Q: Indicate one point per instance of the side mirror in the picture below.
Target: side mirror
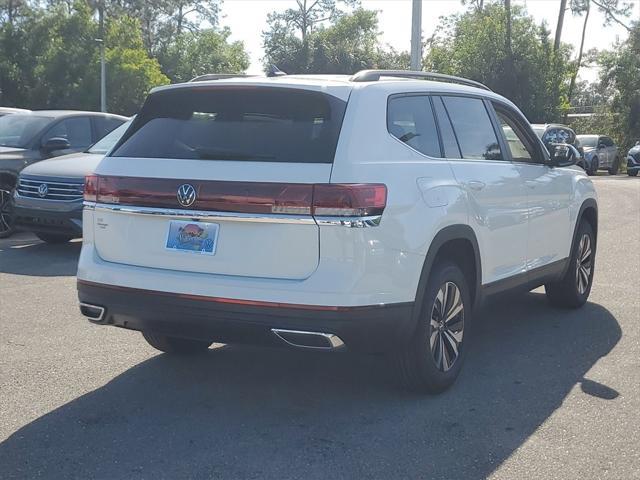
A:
(564, 155)
(600, 146)
(56, 143)
(638, 143)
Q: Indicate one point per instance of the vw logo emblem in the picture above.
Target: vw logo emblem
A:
(43, 189)
(186, 195)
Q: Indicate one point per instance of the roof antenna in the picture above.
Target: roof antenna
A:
(275, 72)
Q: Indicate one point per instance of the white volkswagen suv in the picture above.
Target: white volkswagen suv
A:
(372, 212)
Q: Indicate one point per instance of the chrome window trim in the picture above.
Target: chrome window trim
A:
(206, 215)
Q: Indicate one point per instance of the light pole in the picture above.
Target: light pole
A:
(103, 68)
(416, 35)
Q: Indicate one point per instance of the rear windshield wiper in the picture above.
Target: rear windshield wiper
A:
(213, 154)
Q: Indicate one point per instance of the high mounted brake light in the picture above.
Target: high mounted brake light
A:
(321, 199)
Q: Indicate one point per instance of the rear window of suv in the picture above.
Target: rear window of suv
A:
(269, 124)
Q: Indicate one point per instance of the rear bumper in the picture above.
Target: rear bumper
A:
(374, 328)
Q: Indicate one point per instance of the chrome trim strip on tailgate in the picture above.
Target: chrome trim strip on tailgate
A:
(351, 222)
(203, 214)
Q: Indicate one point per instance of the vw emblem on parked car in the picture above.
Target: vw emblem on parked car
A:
(43, 189)
(186, 195)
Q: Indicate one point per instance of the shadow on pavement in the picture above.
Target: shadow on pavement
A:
(244, 412)
(24, 254)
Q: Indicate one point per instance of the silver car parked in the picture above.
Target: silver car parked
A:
(600, 153)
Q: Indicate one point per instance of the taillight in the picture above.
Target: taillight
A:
(349, 200)
(91, 188)
(321, 199)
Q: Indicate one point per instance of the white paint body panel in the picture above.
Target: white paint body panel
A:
(517, 227)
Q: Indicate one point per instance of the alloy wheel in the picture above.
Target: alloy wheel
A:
(447, 326)
(6, 212)
(584, 264)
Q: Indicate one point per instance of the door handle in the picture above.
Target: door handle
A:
(476, 185)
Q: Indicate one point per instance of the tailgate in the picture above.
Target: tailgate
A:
(246, 228)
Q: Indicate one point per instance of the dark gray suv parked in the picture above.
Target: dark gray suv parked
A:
(31, 137)
(600, 153)
(49, 194)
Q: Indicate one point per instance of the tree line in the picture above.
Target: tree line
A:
(49, 56)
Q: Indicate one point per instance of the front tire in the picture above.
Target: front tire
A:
(593, 168)
(6, 214)
(53, 238)
(175, 345)
(431, 361)
(632, 173)
(614, 167)
(572, 291)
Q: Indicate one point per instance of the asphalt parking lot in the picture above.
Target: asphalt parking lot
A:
(545, 393)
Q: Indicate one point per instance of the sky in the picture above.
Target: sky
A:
(247, 19)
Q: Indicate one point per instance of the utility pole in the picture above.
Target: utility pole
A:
(103, 68)
(416, 35)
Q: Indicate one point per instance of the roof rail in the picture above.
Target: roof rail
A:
(218, 76)
(374, 76)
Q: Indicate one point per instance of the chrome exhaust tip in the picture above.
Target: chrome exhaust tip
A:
(312, 340)
(95, 313)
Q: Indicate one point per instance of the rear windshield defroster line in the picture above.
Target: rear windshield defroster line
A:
(238, 123)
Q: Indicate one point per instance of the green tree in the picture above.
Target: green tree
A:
(131, 73)
(474, 45)
(51, 60)
(620, 73)
(200, 52)
(307, 15)
(350, 43)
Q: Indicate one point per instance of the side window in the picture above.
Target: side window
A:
(607, 141)
(473, 128)
(520, 146)
(410, 120)
(105, 125)
(76, 130)
(449, 142)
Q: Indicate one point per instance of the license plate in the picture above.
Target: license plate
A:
(194, 237)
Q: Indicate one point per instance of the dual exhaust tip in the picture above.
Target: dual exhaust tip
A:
(294, 338)
(312, 340)
(95, 313)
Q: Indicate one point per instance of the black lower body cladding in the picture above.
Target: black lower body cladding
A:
(376, 328)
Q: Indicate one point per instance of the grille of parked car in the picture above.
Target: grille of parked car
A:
(54, 189)
(636, 156)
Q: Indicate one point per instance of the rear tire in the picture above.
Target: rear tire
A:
(53, 238)
(175, 345)
(572, 291)
(615, 166)
(431, 361)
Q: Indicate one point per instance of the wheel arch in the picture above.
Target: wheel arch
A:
(454, 242)
(589, 212)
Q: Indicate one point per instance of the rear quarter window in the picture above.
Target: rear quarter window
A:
(410, 119)
(270, 124)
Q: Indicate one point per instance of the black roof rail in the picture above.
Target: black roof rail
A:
(374, 76)
(218, 76)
